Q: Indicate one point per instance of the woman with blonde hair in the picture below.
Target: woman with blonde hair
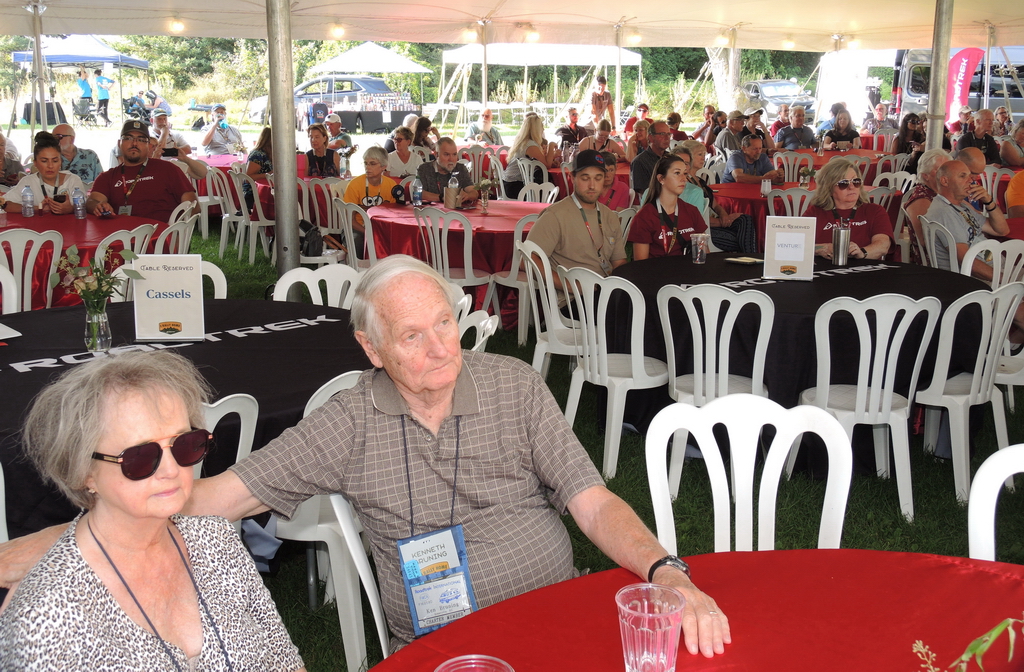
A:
(321, 161)
(638, 142)
(529, 144)
(840, 201)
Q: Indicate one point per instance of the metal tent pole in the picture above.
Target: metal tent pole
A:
(940, 63)
(40, 67)
(282, 83)
(483, 67)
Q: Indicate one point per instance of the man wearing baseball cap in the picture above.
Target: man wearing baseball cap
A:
(166, 138)
(580, 231)
(221, 137)
(754, 126)
(139, 186)
(728, 141)
(338, 139)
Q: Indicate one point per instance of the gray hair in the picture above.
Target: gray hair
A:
(798, 107)
(410, 120)
(66, 422)
(405, 132)
(931, 160)
(378, 153)
(446, 141)
(828, 177)
(364, 315)
(747, 139)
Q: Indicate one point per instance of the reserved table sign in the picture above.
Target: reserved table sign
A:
(169, 300)
(789, 248)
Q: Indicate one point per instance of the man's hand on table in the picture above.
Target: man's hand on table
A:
(705, 627)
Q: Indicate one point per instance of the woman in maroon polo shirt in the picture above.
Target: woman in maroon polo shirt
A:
(663, 226)
(840, 200)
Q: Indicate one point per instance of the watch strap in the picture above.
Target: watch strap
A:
(670, 560)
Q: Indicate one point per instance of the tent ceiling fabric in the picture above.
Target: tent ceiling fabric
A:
(540, 54)
(876, 24)
(368, 57)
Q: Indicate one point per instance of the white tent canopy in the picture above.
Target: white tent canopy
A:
(369, 57)
(874, 24)
(539, 54)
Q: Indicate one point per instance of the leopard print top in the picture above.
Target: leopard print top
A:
(62, 617)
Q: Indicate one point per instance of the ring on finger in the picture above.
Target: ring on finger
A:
(712, 613)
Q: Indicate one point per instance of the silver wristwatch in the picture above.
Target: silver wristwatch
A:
(671, 561)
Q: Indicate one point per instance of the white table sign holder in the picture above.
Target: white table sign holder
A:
(789, 248)
(169, 298)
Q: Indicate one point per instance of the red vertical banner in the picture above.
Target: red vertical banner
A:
(958, 85)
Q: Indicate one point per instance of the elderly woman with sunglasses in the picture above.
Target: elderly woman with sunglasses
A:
(130, 584)
(840, 201)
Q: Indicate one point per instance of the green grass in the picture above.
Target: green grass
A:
(873, 519)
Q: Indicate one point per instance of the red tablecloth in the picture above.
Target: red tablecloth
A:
(395, 232)
(85, 234)
(747, 198)
(789, 610)
(1016, 227)
(265, 194)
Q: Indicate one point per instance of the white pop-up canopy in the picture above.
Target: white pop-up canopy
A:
(369, 57)
(526, 54)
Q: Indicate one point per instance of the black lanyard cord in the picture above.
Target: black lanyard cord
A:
(408, 473)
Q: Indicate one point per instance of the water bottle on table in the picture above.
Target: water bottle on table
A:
(417, 193)
(78, 200)
(28, 202)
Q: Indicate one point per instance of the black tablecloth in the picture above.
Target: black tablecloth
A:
(278, 352)
(791, 363)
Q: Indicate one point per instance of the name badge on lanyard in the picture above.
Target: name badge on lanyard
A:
(435, 574)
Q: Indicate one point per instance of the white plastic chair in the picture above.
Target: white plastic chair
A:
(340, 282)
(527, 168)
(220, 282)
(565, 168)
(936, 235)
(249, 229)
(484, 324)
(545, 192)
(499, 177)
(315, 521)
(882, 196)
(959, 393)
(556, 334)
(136, 240)
(794, 201)
(216, 188)
(234, 212)
(744, 416)
(881, 324)
(861, 163)
(1007, 260)
(181, 212)
(9, 290)
(248, 411)
(620, 373)
(515, 278)
(711, 313)
(435, 224)
(477, 156)
(176, 238)
(893, 163)
(900, 180)
(712, 174)
(885, 139)
(355, 258)
(18, 251)
(792, 162)
(626, 216)
(326, 218)
(991, 177)
(998, 469)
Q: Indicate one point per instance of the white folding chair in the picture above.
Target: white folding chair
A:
(998, 469)
(794, 201)
(436, 225)
(711, 313)
(556, 334)
(545, 192)
(136, 240)
(959, 393)
(515, 278)
(19, 249)
(619, 373)
(484, 324)
(791, 163)
(315, 521)
(340, 282)
(9, 291)
(744, 417)
(176, 238)
(882, 323)
(936, 237)
(527, 168)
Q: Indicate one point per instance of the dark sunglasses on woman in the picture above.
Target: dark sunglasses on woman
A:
(845, 184)
(141, 461)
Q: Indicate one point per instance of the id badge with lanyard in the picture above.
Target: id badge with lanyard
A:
(127, 209)
(671, 231)
(435, 566)
(606, 265)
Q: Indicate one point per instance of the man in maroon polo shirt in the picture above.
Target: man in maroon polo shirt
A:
(140, 186)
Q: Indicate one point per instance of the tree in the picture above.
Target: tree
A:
(179, 60)
(11, 74)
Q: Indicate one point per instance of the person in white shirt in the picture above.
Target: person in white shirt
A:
(403, 162)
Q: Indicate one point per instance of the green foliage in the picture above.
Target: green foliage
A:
(177, 61)
(11, 74)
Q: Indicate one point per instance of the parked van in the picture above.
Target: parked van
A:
(912, 77)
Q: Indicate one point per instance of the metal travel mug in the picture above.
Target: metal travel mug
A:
(840, 245)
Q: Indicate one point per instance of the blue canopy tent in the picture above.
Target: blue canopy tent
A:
(74, 51)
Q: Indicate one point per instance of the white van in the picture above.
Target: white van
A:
(912, 77)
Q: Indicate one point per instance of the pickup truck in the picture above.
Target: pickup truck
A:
(365, 104)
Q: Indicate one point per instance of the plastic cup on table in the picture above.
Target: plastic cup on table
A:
(650, 617)
(474, 662)
(699, 244)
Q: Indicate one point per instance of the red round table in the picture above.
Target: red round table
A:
(85, 234)
(265, 194)
(788, 610)
(395, 231)
(747, 198)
